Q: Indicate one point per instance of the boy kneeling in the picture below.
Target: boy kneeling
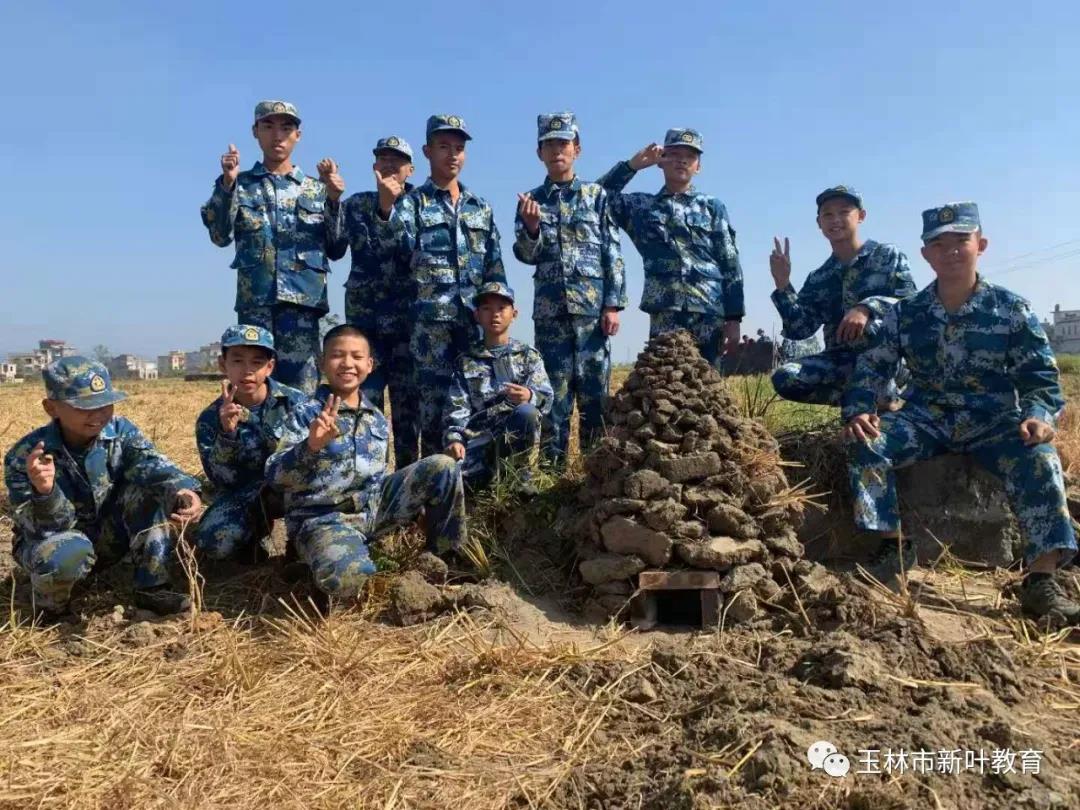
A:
(331, 465)
(236, 434)
(499, 393)
(983, 382)
(87, 488)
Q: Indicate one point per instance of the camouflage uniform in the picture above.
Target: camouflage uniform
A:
(109, 499)
(340, 498)
(579, 273)
(693, 279)
(479, 415)
(378, 296)
(244, 508)
(877, 277)
(975, 375)
(451, 250)
(282, 226)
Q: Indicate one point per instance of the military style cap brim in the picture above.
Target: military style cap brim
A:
(91, 402)
(272, 114)
(695, 147)
(448, 128)
(401, 152)
(482, 295)
(951, 227)
(825, 196)
(558, 134)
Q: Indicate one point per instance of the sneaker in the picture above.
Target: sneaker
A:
(889, 560)
(162, 600)
(1042, 595)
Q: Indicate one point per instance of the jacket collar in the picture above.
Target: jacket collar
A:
(259, 170)
(549, 187)
(323, 392)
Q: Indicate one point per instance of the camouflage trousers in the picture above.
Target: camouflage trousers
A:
(518, 434)
(818, 379)
(394, 371)
(1032, 476)
(577, 357)
(238, 519)
(296, 340)
(335, 545)
(134, 520)
(706, 329)
(435, 346)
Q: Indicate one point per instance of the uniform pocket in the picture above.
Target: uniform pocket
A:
(310, 212)
(477, 228)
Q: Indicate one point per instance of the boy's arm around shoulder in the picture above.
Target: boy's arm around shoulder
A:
(33, 513)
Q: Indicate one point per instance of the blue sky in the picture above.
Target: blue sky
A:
(116, 115)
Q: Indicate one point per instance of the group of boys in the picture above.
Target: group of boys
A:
(962, 366)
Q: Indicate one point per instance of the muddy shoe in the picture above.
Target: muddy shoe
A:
(1042, 595)
(51, 616)
(162, 600)
(889, 560)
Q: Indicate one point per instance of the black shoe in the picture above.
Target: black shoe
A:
(48, 617)
(1042, 596)
(162, 600)
(891, 558)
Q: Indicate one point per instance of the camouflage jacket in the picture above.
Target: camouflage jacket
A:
(379, 284)
(477, 403)
(345, 476)
(687, 247)
(878, 276)
(991, 358)
(238, 461)
(451, 251)
(579, 266)
(85, 480)
(282, 226)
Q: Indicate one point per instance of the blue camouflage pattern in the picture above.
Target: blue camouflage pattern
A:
(975, 375)
(242, 512)
(957, 217)
(245, 334)
(682, 136)
(378, 297)
(340, 498)
(81, 383)
(442, 122)
(434, 346)
(297, 342)
(687, 247)
(877, 277)
(562, 126)
(847, 192)
(394, 144)
(111, 498)
(264, 109)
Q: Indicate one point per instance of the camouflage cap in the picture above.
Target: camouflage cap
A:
(839, 191)
(957, 217)
(562, 126)
(264, 109)
(680, 136)
(394, 144)
(80, 382)
(243, 334)
(494, 288)
(447, 123)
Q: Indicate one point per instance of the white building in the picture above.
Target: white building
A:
(8, 371)
(172, 362)
(131, 367)
(205, 359)
(1064, 332)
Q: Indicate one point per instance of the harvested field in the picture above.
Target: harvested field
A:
(509, 699)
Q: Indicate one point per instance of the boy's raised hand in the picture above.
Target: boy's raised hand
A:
(529, 210)
(328, 173)
(230, 412)
(186, 506)
(41, 470)
(324, 428)
(230, 167)
(390, 188)
(1035, 431)
(780, 263)
(649, 156)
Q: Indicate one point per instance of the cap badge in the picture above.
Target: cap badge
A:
(454, 121)
(392, 141)
(97, 383)
(687, 137)
(251, 334)
(279, 107)
(946, 215)
(556, 123)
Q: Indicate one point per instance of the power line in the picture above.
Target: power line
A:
(1010, 261)
(1034, 263)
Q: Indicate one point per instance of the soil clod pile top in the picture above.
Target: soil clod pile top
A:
(685, 481)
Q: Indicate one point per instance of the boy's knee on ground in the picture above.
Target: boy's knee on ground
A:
(66, 556)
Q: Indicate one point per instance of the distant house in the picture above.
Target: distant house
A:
(29, 364)
(172, 363)
(8, 371)
(205, 359)
(132, 367)
(1064, 332)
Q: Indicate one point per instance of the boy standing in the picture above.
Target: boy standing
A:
(564, 228)
(88, 488)
(499, 394)
(857, 281)
(281, 220)
(693, 279)
(331, 465)
(447, 235)
(235, 435)
(983, 382)
(378, 296)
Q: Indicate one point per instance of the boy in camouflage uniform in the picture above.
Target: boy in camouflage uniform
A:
(983, 382)
(693, 279)
(564, 228)
(499, 393)
(331, 465)
(235, 435)
(447, 236)
(281, 220)
(378, 296)
(87, 488)
(846, 295)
